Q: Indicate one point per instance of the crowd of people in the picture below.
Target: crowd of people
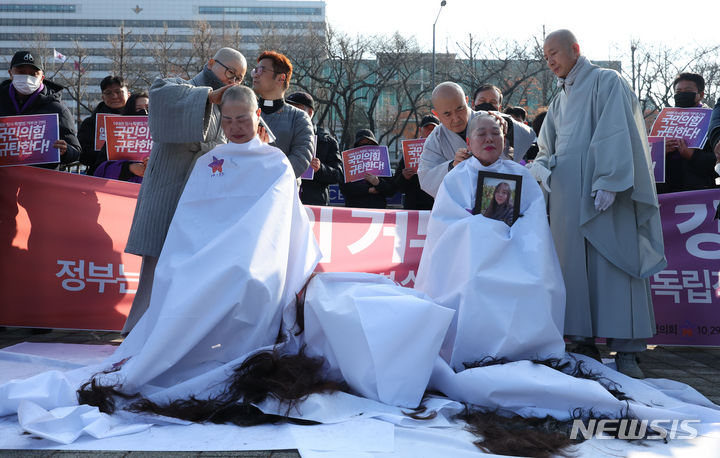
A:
(493, 287)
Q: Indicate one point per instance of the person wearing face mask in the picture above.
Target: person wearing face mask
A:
(686, 168)
(27, 92)
(115, 95)
(184, 125)
(127, 170)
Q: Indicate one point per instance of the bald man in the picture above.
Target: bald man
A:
(604, 216)
(184, 123)
(446, 146)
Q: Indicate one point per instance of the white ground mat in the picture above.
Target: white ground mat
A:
(366, 438)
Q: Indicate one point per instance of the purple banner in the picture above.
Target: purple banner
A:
(657, 154)
(28, 139)
(309, 174)
(689, 123)
(686, 295)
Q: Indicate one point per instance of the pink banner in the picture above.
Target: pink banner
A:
(62, 263)
(26, 140)
(366, 159)
(412, 149)
(128, 137)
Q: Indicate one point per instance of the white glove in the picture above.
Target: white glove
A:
(603, 200)
(540, 173)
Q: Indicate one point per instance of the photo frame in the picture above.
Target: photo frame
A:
(506, 207)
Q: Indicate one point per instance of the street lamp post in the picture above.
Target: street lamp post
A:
(443, 3)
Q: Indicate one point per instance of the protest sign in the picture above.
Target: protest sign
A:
(689, 123)
(128, 137)
(309, 174)
(29, 139)
(100, 136)
(657, 154)
(412, 149)
(370, 159)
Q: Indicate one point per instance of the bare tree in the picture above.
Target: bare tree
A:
(75, 79)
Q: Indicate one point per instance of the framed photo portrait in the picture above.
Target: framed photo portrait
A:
(498, 196)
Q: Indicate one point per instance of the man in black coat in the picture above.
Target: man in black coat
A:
(406, 179)
(29, 93)
(327, 163)
(114, 96)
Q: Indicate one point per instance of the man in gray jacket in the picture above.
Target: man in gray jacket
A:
(291, 126)
(184, 124)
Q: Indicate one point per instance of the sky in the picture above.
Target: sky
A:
(604, 29)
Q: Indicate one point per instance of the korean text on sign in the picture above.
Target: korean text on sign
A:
(366, 159)
(75, 276)
(128, 137)
(28, 139)
(100, 136)
(412, 149)
(690, 124)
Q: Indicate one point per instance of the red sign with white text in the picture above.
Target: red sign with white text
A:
(128, 137)
(412, 149)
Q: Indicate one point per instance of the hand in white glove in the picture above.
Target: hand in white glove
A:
(603, 200)
(540, 173)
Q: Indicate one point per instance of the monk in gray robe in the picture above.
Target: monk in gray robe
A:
(445, 147)
(604, 215)
(184, 124)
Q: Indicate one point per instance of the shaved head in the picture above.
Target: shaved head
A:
(450, 106)
(446, 90)
(562, 37)
(231, 56)
(561, 51)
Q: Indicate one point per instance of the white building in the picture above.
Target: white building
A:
(96, 35)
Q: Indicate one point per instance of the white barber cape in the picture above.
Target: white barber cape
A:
(504, 282)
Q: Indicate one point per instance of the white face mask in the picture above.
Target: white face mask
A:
(26, 84)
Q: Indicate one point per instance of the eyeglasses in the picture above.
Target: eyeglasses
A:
(229, 73)
(260, 69)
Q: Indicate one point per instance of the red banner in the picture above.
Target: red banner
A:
(62, 263)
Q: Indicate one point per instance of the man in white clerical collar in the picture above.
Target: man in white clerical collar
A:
(291, 126)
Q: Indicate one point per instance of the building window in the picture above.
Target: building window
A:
(259, 10)
(20, 8)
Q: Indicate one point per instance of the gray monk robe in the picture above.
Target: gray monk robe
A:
(442, 143)
(594, 138)
(184, 125)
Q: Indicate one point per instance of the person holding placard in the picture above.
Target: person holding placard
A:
(406, 179)
(115, 94)
(687, 168)
(594, 159)
(371, 191)
(27, 92)
(128, 170)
